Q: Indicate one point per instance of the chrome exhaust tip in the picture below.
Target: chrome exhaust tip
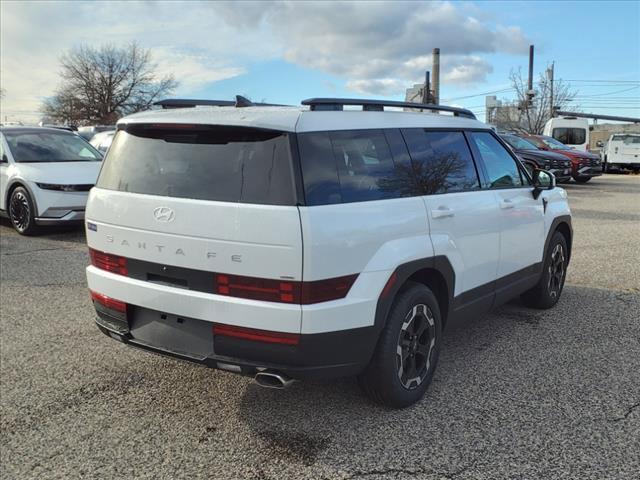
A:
(270, 379)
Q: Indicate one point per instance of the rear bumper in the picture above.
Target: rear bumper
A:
(317, 356)
(624, 165)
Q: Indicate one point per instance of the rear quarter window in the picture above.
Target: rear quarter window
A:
(229, 164)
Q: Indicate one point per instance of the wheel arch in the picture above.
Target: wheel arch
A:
(15, 183)
(560, 224)
(436, 273)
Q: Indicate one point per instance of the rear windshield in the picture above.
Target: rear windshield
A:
(570, 136)
(229, 164)
(48, 146)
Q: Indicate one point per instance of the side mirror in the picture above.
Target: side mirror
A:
(599, 143)
(542, 180)
(4, 158)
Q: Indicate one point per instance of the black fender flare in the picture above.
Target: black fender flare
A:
(562, 219)
(399, 277)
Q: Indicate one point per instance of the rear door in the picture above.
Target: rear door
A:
(464, 220)
(521, 216)
(200, 198)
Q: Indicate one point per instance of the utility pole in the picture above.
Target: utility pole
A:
(436, 75)
(550, 78)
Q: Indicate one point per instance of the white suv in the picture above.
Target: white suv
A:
(45, 176)
(291, 243)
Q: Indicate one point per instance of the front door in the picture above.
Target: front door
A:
(521, 216)
(464, 220)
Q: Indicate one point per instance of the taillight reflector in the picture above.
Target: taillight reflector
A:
(255, 335)
(108, 262)
(108, 302)
(282, 290)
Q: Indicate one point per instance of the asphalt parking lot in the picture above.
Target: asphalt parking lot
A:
(519, 393)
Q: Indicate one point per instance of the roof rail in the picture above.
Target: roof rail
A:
(186, 103)
(378, 105)
(239, 102)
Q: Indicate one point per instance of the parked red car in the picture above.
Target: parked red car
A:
(584, 165)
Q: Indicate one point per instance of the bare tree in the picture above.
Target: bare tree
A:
(99, 85)
(531, 117)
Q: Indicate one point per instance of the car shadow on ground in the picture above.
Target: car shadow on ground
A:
(66, 233)
(514, 363)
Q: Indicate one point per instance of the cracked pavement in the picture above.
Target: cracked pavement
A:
(518, 393)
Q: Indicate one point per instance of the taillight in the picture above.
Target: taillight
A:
(108, 302)
(255, 335)
(258, 288)
(326, 290)
(282, 290)
(108, 262)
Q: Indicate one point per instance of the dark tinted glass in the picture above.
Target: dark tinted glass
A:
(48, 146)
(365, 165)
(319, 172)
(230, 164)
(502, 170)
(352, 166)
(570, 136)
(440, 161)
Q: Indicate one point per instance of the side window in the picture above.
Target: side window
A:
(354, 166)
(502, 169)
(365, 166)
(441, 161)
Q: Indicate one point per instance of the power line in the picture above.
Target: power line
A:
(611, 93)
(602, 81)
(479, 94)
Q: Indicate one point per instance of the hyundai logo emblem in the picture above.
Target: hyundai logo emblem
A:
(164, 214)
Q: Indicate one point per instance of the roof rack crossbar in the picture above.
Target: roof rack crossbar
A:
(378, 105)
(240, 101)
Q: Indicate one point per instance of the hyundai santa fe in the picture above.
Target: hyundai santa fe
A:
(333, 239)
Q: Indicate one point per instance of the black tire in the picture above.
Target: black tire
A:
(549, 288)
(582, 179)
(414, 326)
(22, 212)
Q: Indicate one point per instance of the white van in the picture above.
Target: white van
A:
(572, 131)
(290, 243)
(622, 151)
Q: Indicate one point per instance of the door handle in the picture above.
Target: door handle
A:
(506, 203)
(442, 212)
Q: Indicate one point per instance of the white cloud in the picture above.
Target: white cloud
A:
(381, 47)
(374, 47)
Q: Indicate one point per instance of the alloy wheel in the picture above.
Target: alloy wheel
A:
(556, 271)
(20, 211)
(416, 341)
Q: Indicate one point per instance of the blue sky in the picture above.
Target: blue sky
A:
(285, 52)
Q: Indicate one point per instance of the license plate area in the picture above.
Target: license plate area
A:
(173, 333)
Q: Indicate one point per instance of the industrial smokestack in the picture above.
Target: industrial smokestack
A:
(435, 81)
